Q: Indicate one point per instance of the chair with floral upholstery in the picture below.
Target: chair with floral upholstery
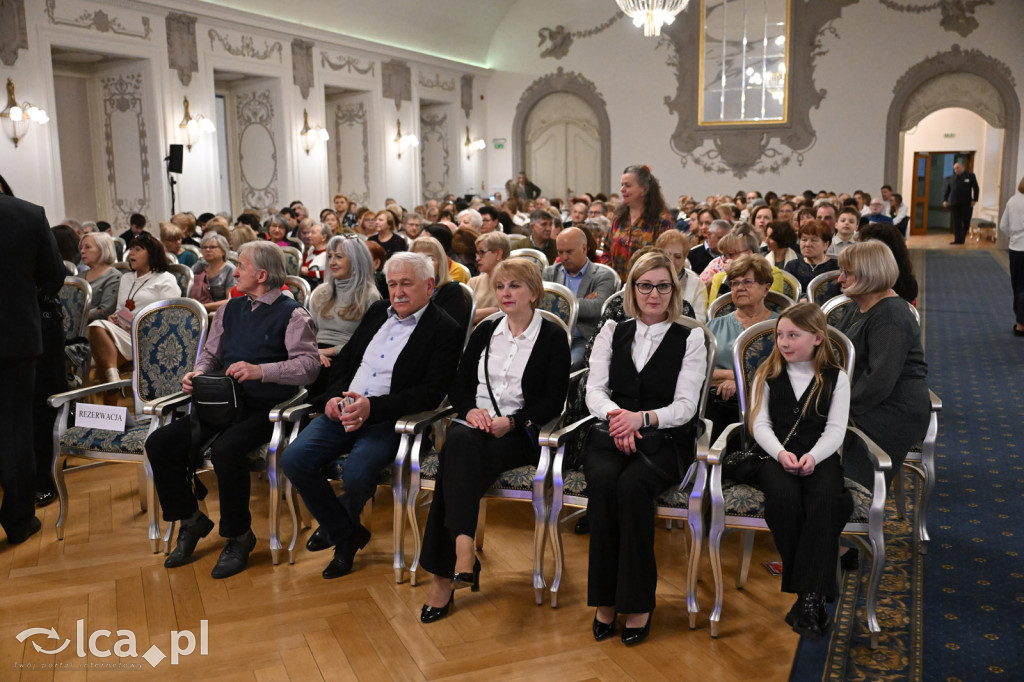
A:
(166, 338)
(738, 506)
(835, 307)
(292, 260)
(559, 300)
(75, 297)
(823, 287)
(790, 285)
(527, 483)
(300, 289)
(562, 447)
(532, 255)
(723, 305)
(185, 277)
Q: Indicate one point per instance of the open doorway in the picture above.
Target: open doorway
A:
(927, 214)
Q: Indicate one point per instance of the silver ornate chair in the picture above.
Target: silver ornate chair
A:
(467, 292)
(75, 297)
(185, 277)
(300, 289)
(559, 300)
(527, 483)
(292, 259)
(563, 446)
(533, 255)
(723, 305)
(194, 250)
(791, 285)
(835, 307)
(739, 506)
(166, 339)
(823, 287)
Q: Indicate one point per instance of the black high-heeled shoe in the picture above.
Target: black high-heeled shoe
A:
(470, 580)
(631, 636)
(429, 614)
(603, 631)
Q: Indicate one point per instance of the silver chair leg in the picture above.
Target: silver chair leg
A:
(748, 549)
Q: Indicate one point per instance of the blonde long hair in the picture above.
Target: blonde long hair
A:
(809, 318)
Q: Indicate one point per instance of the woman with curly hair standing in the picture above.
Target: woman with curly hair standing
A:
(639, 220)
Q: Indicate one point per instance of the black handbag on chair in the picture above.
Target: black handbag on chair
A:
(217, 403)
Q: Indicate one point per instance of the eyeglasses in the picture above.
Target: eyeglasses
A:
(484, 252)
(647, 287)
(843, 272)
(742, 283)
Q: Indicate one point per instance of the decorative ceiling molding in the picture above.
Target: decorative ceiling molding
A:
(466, 92)
(98, 20)
(963, 90)
(347, 63)
(751, 148)
(396, 81)
(13, 30)
(560, 39)
(302, 65)
(957, 15)
(182, 53)
(247, 47)
(437, 84)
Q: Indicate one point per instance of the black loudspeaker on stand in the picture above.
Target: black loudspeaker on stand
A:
(173, 160)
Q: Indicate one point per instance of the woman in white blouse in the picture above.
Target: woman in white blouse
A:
(645, 380)
(148, 282)
(512, 380)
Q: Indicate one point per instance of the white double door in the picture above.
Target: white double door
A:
(563, 146)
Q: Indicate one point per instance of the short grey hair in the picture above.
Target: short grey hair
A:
(105, 243)
(420, 264)
(474, 216)
(219, 240)
(266, 256)
(278, 219)
(721, 225)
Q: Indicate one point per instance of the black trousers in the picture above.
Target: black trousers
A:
(51, 377)
(960, 221)
(1017, 281)
(168, 450)
(806, 514)
(620, 508)
(469, 465)
(17, 463)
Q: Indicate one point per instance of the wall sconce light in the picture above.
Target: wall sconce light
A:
(405, 140)
(311, 137)
(194, 125)
(472, 145)
(16, 119)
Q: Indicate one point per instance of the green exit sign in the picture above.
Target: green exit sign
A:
(499, 142)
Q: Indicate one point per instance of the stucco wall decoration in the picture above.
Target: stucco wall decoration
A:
(247, 47)
(466, 93)
(350, 121)
(302, 65)
(125, 143)
(437, 83)
(99, 20)
(751, 148)
(434, 155)
(396, 81)
(559, 39)
(347, 63)
(182, 53)
(257, 151)
(13, 33)
(956, 15)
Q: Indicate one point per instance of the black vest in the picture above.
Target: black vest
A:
(784, 407)
(257, 337)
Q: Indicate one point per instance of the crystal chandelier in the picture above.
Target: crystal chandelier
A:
(652, 14)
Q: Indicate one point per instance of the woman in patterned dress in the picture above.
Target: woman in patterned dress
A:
(640, 219)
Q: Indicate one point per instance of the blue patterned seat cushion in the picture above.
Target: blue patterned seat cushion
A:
(87, 439)
(556, 304)
(747, 500)
(520, 478)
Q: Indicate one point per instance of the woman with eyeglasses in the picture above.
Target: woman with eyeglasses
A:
(491, 249)
(646, 375)
(148, 282)
(750, 279)
(739, 242)
(214, 274)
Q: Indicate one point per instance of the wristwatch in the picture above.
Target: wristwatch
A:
(647, 418)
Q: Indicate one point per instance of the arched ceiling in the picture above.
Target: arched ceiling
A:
(460, 30)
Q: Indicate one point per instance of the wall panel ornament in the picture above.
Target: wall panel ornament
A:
(302, 65)
(182, 53)
(573, 83)
(13, 33)
(466, 92)
(125, 141)
(751, 148)
(559, 39)
(347, 63)
(437, 83)
(247, 47)
(434, 155)
(257, 151)
(396, 79)
(99, 20)
(350, 121)
(957, 15)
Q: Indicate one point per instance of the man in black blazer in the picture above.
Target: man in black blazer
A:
(400, 360)
(35, 274)
(960, 196)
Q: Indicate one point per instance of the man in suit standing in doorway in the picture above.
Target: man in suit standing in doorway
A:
(960, 196)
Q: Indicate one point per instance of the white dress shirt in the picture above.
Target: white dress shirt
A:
(645, 343)
(373, 378)
(800, 376)
(508, 357)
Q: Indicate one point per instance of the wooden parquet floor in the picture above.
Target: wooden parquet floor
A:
(286, 623)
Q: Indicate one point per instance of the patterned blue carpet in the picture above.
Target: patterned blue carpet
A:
(956, 613)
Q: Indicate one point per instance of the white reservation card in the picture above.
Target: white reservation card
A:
(107, 417)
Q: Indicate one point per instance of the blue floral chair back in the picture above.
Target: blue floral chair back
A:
(532, 255)
(559, 300)
(183, 274)
(292, 260)
(300, 289)
(835, 307)
(75, 296)
(790, 285)
(823, 287)
(167, 338)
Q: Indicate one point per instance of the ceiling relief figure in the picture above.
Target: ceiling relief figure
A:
(559, 39)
